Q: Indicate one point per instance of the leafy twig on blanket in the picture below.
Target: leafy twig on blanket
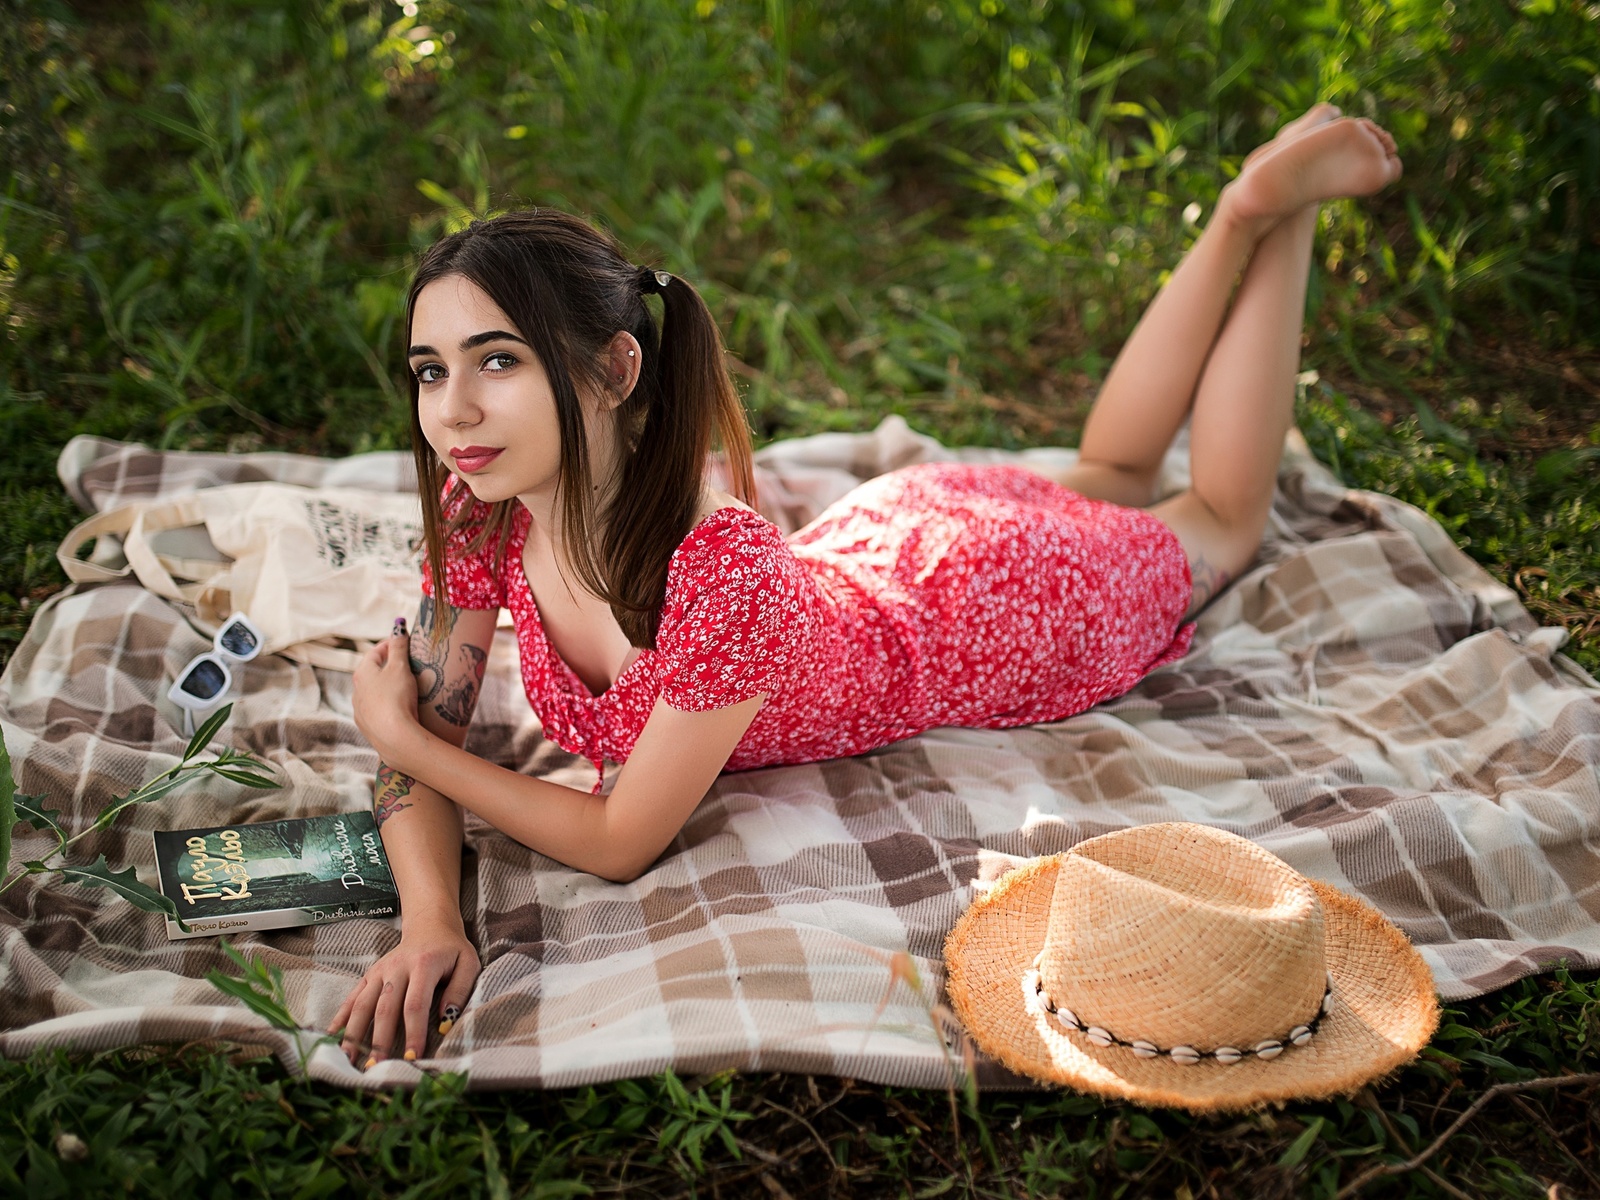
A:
(31, 810)
(261, 990)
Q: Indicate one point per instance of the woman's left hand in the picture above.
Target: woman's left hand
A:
(384, 694)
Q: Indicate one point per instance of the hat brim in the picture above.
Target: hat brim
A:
(1384, 1012)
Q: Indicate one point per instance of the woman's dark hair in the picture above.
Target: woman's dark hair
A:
(569, 289)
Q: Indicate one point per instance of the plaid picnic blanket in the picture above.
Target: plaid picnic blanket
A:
(1365, 702)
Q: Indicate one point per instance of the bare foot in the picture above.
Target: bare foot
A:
(1350, 156)
(1317, 114)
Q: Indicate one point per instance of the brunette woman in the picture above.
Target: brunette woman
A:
(665, 625)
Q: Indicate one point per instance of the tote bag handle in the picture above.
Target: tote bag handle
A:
(146, 564)
(333, 658)
(115, 521)
(135, 523)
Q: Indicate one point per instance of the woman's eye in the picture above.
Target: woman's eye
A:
(422, 372)
(510, 360)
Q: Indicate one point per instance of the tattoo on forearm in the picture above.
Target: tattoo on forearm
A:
(1208, 580)
(390, 795)
(457, 705)
(427, 659)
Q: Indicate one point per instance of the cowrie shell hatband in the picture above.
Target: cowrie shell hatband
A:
(1187, 1055)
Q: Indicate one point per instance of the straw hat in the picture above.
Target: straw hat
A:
(1180, 965)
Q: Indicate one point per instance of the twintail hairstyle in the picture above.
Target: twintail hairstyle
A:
(568, 289)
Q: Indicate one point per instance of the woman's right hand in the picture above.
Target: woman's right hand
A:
(402, 983)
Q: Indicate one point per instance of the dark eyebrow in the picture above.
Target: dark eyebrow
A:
(477, 339)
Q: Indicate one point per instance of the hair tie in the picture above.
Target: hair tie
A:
(653, 281)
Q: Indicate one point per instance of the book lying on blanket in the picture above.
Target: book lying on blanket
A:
(275, 874)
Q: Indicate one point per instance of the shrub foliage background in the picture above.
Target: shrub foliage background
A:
(955, 211)
(951, 210)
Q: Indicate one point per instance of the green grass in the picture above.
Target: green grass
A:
(201, 1121)
(954, 211)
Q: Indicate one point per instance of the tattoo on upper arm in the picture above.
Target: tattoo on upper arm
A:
(457, 704)
(427, 659)
(390, 794)
(1208, 580)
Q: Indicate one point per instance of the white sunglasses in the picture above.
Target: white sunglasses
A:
(207, 679)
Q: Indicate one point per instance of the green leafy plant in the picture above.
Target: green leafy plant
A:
(30, 810)
(694, 1118)
(260, 989)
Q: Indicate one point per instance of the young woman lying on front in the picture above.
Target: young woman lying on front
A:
(665, 625)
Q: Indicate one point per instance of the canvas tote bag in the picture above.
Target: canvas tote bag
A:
(323, 572)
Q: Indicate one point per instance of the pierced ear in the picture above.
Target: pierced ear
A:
(624, 357)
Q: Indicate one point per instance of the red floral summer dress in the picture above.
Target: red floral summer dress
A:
(938, 594)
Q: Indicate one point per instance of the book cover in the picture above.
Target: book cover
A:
(275, 874)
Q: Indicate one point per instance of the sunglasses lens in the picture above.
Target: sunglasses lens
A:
(238, 641)
(203, 681)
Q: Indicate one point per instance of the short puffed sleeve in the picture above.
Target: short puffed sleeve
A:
(732, 613)
(470, 579)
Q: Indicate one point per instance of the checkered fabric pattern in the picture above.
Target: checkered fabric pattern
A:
(1365, 702)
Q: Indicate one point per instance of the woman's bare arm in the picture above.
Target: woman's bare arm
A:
(424, 850)
(422, 839)
(421, 828)
(676, 759)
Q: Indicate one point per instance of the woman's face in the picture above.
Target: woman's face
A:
(483, 398)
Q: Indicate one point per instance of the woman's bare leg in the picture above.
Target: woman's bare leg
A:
(1152, 383)
(1241, 380)
(1242, 409)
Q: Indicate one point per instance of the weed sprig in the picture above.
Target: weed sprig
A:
(31, 810)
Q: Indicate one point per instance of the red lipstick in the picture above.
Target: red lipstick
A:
(474, 458)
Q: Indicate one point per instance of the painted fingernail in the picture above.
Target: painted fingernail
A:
(411, 1056)
(399, 627)
(372, 1061)
(452, 1012)
(445, 1026)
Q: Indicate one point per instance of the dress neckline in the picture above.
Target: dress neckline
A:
(572, 682)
